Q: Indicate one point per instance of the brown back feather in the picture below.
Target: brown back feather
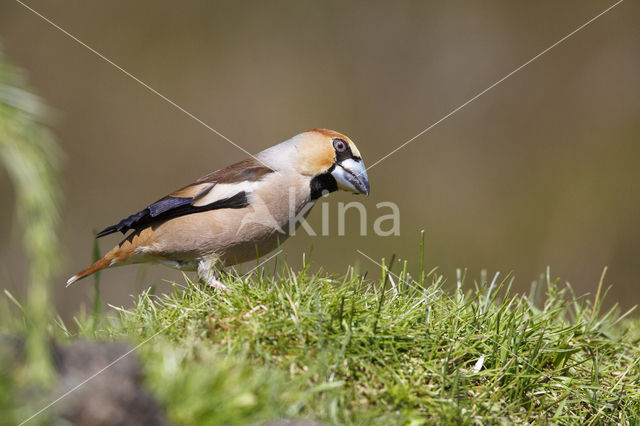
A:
(246, 170)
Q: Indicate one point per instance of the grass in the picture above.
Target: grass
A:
(351, 350)
(30, 156)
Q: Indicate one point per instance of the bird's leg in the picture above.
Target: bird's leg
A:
(207, 273)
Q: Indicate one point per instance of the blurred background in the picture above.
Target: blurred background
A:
(542, 170)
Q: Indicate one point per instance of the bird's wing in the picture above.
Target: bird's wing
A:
(226, 188)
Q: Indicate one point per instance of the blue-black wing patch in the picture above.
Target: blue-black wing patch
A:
(172, 207)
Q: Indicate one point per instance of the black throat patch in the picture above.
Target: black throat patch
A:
(323, 184)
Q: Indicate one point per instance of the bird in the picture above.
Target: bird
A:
(239, 212)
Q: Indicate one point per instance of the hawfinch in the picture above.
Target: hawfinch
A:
(237, 213)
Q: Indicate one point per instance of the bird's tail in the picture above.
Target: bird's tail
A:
(122, 254)
(108, 260)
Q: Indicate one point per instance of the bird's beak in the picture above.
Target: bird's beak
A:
(351, 176)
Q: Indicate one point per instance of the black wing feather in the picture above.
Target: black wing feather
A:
(172, 207)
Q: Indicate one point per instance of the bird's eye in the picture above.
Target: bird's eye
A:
(339, 145)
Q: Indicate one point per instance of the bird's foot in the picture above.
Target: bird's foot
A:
(216, 284)
(208, 272)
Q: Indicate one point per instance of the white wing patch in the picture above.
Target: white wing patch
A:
(225, 190)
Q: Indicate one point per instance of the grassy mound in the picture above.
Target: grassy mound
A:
(347, 350)
(351, 350)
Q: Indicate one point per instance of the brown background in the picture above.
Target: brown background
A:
(542, 170)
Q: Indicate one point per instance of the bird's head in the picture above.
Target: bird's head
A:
(330, 158)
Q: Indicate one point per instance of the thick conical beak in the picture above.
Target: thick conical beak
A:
(351, 176)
